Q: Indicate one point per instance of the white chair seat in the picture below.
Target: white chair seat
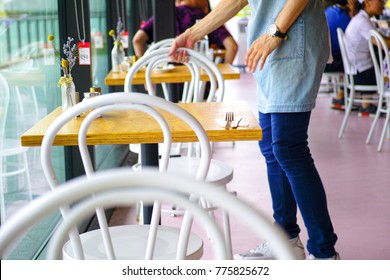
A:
(129, 242)
(364, 88)
(219, 172)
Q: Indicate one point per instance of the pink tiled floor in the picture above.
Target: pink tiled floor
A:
(355, 175)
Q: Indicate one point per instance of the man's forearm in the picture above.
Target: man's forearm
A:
(289, 14)
(224, 11)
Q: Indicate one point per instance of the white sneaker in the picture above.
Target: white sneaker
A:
(333, 258)
(264, 251)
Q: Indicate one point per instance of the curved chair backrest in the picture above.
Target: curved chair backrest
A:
(114, 102)
(118, 186)
(193, 86)
(210, 64)
(344, 55)
(153, 56)
(380, 57)
(160, 44)
(195, 58)
(351, 89)
(194, 65)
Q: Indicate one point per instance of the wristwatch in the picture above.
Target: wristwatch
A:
(274, 31)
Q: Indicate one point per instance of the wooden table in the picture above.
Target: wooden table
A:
(115, 128)
(136, 127)
(179, 74)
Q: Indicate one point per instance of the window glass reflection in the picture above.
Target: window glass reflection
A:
(31, 79)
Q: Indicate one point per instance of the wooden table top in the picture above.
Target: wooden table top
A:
(179, 74)
(135, 127)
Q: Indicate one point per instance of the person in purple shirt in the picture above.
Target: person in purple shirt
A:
(186, 16)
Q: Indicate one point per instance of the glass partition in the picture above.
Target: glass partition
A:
(31, 70)
(31, 78)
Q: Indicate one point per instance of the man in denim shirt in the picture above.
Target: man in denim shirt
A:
(288, 48)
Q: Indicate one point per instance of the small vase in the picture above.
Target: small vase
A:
(117, 57)
(68, 92)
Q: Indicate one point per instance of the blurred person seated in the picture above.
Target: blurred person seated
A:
(187, 12)
(357, 35)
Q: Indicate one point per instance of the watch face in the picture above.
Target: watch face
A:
(272, 30)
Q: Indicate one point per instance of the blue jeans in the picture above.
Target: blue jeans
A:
(294, 180)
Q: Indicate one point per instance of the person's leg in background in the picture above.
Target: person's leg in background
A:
(337, 67)
(366, 109)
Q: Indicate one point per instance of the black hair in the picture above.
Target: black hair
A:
(341, 2)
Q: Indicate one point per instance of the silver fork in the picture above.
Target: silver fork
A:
(229, 118)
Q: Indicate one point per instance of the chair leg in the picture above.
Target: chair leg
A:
(346, 117)
(23, 171)
(386, 127)
(373, 125)
(225, 223)
(27, 176)
(165, 91)
(227, 232)
(139, 213)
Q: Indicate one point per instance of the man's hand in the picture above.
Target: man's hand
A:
(260, 49)
(182, 41)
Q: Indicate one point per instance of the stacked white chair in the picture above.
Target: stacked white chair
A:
(13, 157)
(380, 57)
(160, 44)
(120, 187)
(219, 173)
(351, 90)
(4, 99)
(110, 238)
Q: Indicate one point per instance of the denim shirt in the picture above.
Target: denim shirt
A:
(291, 77)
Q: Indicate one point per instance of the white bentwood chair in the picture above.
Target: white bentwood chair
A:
(351, 90)
(381, 60)
(119, 187)
(219, 173)
(105, 106)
